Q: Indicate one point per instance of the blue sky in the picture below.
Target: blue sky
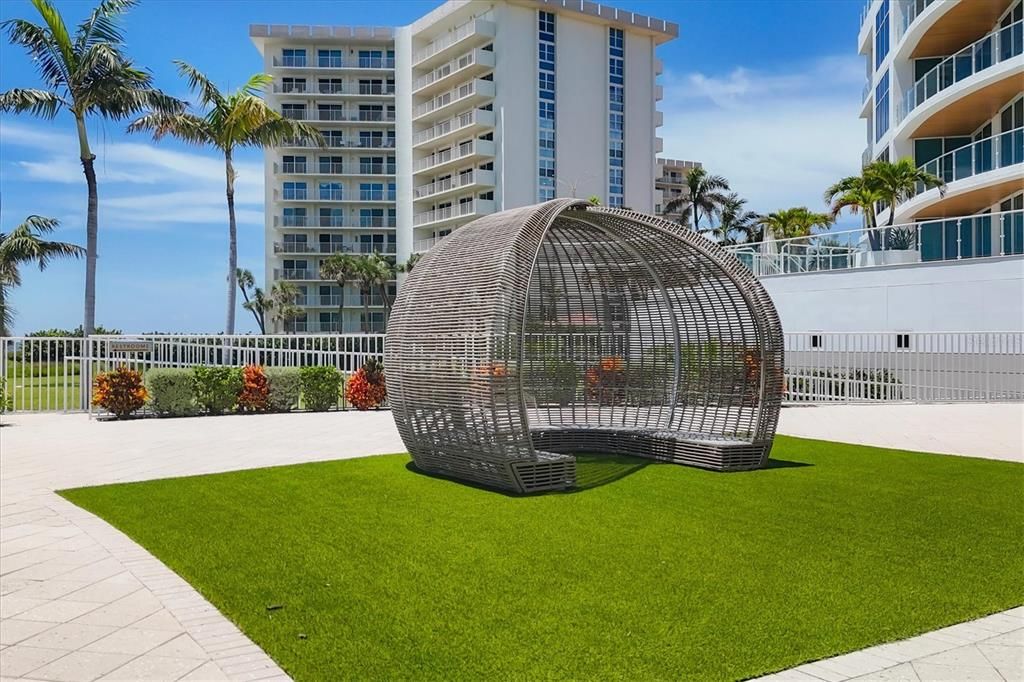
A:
(765, 92)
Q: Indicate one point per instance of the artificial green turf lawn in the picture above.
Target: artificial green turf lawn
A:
(651, 571)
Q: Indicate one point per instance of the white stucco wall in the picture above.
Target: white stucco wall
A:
(982, 295)
(581, 92)
(640, 105)
(515, 106)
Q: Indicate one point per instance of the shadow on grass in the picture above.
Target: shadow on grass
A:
(596, 471)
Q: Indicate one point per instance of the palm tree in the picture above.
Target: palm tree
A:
(259, 305)
(408, 265)
(856, 193)
(25, 244)
(88, 75)
(795, 222)
(374, 272)
(703, 196)
(734, 218)
(227, 121)
(342, 268)
(898, 181)
(282, 303)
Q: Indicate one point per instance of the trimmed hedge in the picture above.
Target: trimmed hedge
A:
(284, 384)
(217, 388)
(172, 391)
(320, 387)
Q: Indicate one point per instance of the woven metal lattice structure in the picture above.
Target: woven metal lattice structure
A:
(535, 333)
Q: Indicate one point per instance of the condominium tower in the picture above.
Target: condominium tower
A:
(945, 87)
(477, 107)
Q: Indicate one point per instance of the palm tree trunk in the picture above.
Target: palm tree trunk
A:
(91, 227)
(341, 306)
(229, 170)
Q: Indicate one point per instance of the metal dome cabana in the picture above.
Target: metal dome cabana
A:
(534, 333)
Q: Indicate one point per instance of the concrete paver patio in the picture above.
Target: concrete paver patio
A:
(80, 601)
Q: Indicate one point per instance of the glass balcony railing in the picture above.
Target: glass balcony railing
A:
(1006, 149)
(294, 194)
(376, 62)
(942, 239)
(295, 221)
(994, 48)
(291, 167)
(376, 195)
(911, 10)
(331, 195)
(331, 168)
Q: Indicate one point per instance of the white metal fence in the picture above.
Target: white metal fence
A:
(55, 374)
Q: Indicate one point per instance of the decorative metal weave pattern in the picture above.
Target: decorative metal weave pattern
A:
(534, 333)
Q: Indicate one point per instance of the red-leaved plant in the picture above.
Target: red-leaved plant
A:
(366, 389)
(255, 394)
(119, 392)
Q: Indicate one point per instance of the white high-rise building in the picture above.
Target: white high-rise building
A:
(477, 107)
(946, 88)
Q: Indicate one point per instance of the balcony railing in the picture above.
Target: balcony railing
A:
(290, 61)
(296, 274)
(296, 221)
(1006, 149)
(290, 87)
(331, 168)
(295, 247)
(376, 89)
(941, 239)
(376, 221)
(453, 96)
(333, 221)
(338, 142)
(376, 195)
(376, 63)
(454, 124)
(911, 10)
(458, 34)
(294, 195)
(454, 211)
(332, 195)
(460, 180)
(292, 167)
(461, 62)
(336, 115)
(994, 48)
(376, 169)
(465, 149)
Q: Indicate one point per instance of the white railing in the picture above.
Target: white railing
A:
(454, 124)
(994, 48)
(485, 57)
(465, 149)
(1005, 149)
(455, 211)
(921, 367)
(296, 274)
(55, 374)
(459, 33)
(337, 141)
(476, 86)
(942, 239)
(424, 245)
(460, 180)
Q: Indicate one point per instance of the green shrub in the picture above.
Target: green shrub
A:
(284, 384)
(217, 388)
(172, 391)
(320, 387)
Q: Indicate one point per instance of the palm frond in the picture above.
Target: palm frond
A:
(102, 25)
(209, 94)
(185, 126)
(278, 129)
(59, 37)
(257, 84)
(49, 60)
(41, 103)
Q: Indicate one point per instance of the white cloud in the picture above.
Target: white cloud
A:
(183, 187)
(779, 137)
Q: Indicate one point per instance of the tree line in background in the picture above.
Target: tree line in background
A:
(88, 74)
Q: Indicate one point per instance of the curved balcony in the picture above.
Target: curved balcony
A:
(983, 64)
(467, 123)
(976, 175)
(926, 28)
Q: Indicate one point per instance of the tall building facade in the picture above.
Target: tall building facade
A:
(945, 87)
(477, 107)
